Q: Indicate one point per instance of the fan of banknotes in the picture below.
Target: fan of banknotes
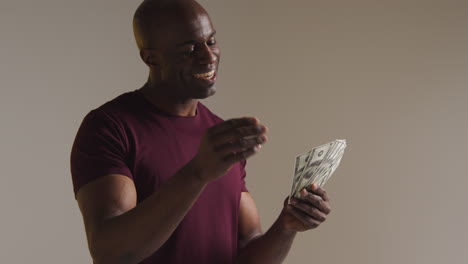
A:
(317, 165)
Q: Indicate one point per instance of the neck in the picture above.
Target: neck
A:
(160, 95)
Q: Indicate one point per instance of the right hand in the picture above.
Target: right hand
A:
(225, 144)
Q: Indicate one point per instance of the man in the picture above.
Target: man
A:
(159, 178)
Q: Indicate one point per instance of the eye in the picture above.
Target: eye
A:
(188, 52)
(211, 42)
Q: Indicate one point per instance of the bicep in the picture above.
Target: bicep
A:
(106, 197)
(249, 221)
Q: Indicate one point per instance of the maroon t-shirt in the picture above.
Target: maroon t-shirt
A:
(128, 135)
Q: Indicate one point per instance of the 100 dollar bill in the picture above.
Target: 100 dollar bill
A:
(317, 165)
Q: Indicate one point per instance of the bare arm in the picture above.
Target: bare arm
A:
(273, 246)
(118, 231)
(121, 232)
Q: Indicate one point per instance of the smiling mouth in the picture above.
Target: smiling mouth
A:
(204, 76)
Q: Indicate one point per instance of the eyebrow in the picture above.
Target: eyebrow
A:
(193, 41)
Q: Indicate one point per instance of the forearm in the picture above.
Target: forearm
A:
(271, 247)
(138, 233)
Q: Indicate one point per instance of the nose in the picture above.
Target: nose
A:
(206, 55)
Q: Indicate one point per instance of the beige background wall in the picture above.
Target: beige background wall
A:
(389, 76)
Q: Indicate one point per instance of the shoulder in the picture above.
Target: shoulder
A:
(119, 107)
(106, 122)
(115, 112)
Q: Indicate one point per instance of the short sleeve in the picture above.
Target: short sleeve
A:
(243, 175)
(99, 149)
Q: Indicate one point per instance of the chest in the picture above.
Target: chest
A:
(160, 152)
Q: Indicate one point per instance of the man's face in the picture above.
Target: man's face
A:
(188, 56)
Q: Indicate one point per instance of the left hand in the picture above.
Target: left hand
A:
(306, 213)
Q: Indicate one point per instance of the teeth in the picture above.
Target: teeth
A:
(206, 75)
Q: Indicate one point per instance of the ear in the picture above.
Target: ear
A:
(149, 57)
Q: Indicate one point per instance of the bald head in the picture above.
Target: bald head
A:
(153, 17)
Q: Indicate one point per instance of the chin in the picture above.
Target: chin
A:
(205, 92)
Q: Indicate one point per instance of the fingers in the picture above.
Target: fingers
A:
(234, 140)
(319, 191)
(239, 134)
(242, 144)
(235, 130)
(313, 199)
(307, 221)
(309, 210)
(233, 123)
(235, 157)
(237, 139)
